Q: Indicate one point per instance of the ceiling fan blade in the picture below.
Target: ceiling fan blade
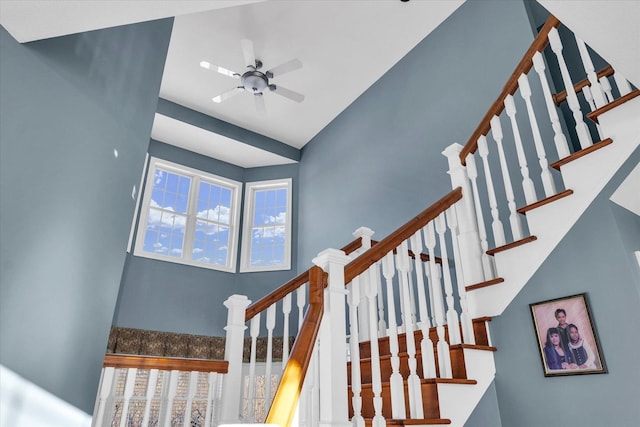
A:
(228, 94)
(259, 100)
(209, 66)
(288, 93)
(247, 51)
(281, 69)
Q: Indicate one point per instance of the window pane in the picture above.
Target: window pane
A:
(167, 194)
(211, 243)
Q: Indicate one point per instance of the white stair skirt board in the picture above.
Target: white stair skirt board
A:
(586, 176)
(457, 401)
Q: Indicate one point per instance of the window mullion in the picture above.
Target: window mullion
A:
(192, 210)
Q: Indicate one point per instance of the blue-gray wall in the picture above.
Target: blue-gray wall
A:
(379, 163)
(165, 296)
(66, 104)
(595, 257)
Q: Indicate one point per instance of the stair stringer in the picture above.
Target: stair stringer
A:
(586, 176)
(457, 401)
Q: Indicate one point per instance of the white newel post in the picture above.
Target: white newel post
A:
(230, 407)
(333, 338)
(468, 237)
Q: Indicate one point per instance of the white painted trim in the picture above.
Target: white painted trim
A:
(196, 176)
(250, 189)
(136, 211)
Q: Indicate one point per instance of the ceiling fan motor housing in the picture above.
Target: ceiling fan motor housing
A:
(254, 81)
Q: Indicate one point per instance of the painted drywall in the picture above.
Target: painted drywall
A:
(165, 296)
(379, 163)
(595, 258)
(487, 413)
(67, 103)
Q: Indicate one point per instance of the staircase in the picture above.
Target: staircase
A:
(396, 332)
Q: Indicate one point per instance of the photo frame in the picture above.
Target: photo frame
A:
(568, 344)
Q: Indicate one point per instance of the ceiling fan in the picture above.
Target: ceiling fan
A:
(255, 81)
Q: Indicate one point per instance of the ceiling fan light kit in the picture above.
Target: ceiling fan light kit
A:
(255, 81)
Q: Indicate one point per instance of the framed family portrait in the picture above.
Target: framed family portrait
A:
(566, 337)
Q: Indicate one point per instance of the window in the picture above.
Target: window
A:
(266, 243)
(189, 217)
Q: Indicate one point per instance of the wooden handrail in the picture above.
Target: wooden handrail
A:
(164, 363)
(377, 252)
(525, 64)
(561, 96)
(293, 284)
(286, 398)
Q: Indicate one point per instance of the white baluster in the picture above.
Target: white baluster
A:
(453, 322)
(128, 392)
(444, 358)
(382, 324)
(588, 96)
(371, 290)
(527, 183)
(301, 298)
(596, 90)
(354, 346)
(514, 218)
(364, 234)
(192, 388)
(572, 99)
(606, 87)
(286, 310)
(465, 318)
(545, 174)
(415, 388)
(234, 343)
(151, 391)
(562, 146)
(270, 323)
(496, 224)
(170, 396)
(621, 82)
(254, 331)
(426, 345)
(397, 387)
(400, 301)
(106, 388)
(488, 267)
(211, 398)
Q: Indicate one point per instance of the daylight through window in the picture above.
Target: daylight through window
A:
(189, 217)
(267, 226)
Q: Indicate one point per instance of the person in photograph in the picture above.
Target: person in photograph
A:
(556, 353)
(561, 317)
(581, 352)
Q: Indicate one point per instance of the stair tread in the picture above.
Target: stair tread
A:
(484, 284)
(429, 381)
(511, 245)
(581, 153)
(596, 113)
(415, 421)
(523, 210)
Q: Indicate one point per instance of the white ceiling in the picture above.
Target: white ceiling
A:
(344, 46)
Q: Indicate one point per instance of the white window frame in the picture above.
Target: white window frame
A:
(249, 208)
(196, 177)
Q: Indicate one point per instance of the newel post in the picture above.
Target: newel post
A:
(468, 237)
(234, 343)
(333, 338)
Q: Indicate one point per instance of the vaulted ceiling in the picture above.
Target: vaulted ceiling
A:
(343, 46)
